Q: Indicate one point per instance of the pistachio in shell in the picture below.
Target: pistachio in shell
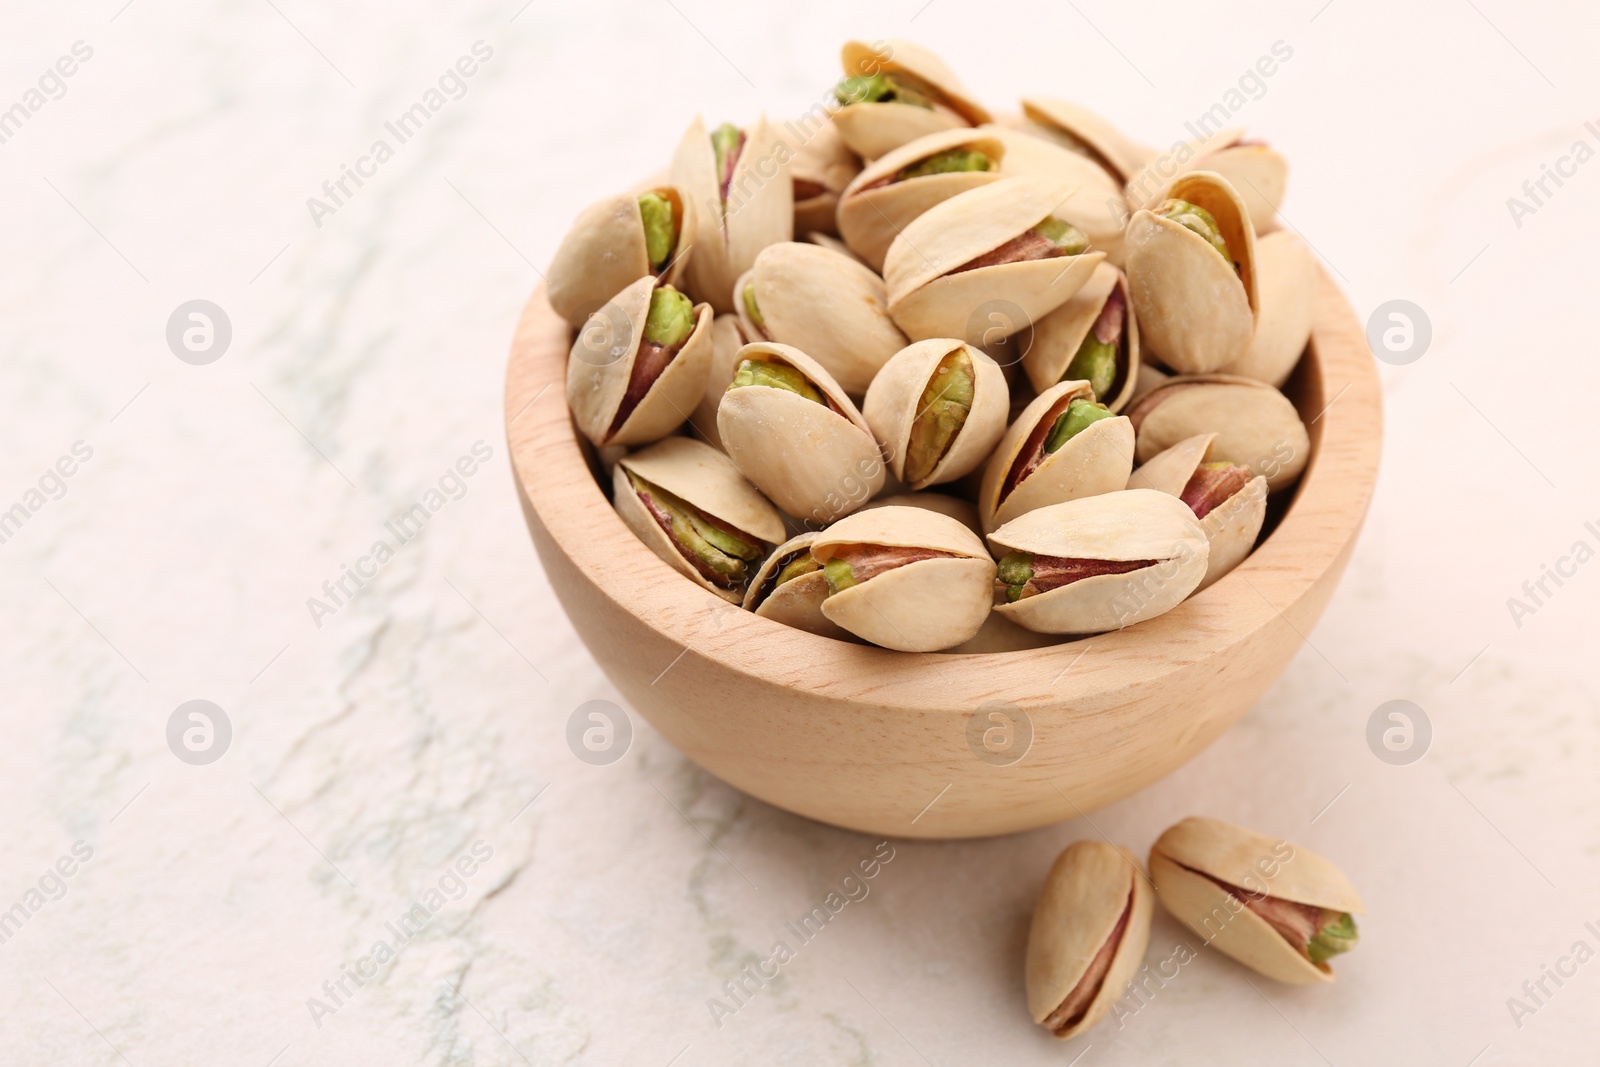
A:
(821, 167)
(1192, 275)
(1277, 908)
(727, 337)
(937, 408)
(998, 245)
(1229, 500)
(905, 578)
(828, 305)
(639, 364)
(1094, 204)
(902, 184)
(1287, 280)
(690, 506)
(1082, 131)
(1259, 172)
(789, 427)
(1093, 337)
(1255, 425)
(744, 201)
(1088, 937)
(1099, 563)
(790, 588)
(894, 92)
(617, 240)
(1063, 446)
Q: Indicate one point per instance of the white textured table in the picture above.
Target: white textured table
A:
(418, 715)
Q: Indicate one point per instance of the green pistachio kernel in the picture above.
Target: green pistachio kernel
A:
(1197, 219)
(839, 575)
(1064, 235)
(671, 317)
(941, 412)
(774, 376)
(1079, 416)
(1095, 363)
(1338, 936)
(954, 161)
(879, 89)
(659, 228)
(724, 139)
(798, 567)
(750, 306)
(1016, 571)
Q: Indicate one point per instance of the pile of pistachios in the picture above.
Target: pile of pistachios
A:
(1018, 380)
(1279, 909)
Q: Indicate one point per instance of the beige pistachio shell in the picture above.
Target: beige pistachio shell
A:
(1095, 205)
(1286, 277)
(812, 461)
(1149, 378)
(1096, 460)
(727, 337)
(874, 129)
(797, 602)
(759, 210)
(820, 158)
(930, 297)
(605, 251)
(924, 606)
(1231, 528)
(1195, 311)
(827, 305)
(894, 402)
(1256, 863)
(1259, 172)
(1255, 425)
(870, 218)
(1084, 131)
(1132, 524)
(703, 477)
(1057, 337)
(832, 244)
(1090, 887)
(1000, 634)
(601, 361)
(963, 511)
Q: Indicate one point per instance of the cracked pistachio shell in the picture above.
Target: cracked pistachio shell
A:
(1259, 172)
(1096, 460)
(1286, 275)
(759, 210)
(601, 362)
(1095, 205)
(703, 477)
(1231, 528)
(930, 297)
(924, 606)
(1254, 862)
(1195, 311)
(811, 460)
(1084, 131)
(870, 218)
(821, 159)
(1255, 425)
(1085, 895)
(797, 602)
(956, 508)
(1057, 336)
(1131, 524)
(605, 251)
(827, 305)
(894, 402)
(875, 129)
(727, 337)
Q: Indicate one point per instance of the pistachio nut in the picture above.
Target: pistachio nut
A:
(790, 588)
(789, 427)
(1063, 446)
(1228, 499)
(685, 500)
(1100, 562)
(821, 167)
(956, 508)
(828, 305)
(639, 364)
(997, 244)
(902, 184)
(617, 240)
(937, 408)
(1255, 425)
(1192, 275)
(1089, 933)
(1095, 204)
(894, 92)
(1093, 337)
(1259, 173)
(744, 200)
(727, 337)
(1277, 908)
(1086, 133)
(905, 578)
(1286, 276)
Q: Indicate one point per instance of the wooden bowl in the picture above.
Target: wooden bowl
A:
(942, 745)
